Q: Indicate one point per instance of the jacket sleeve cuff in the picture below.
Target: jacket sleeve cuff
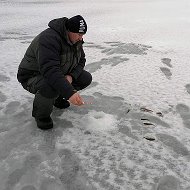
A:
(68, 95)
(73, 76)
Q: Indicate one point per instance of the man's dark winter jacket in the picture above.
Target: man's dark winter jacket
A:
(52, 55)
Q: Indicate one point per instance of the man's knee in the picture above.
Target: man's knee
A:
(47, 91)
(38, 84)
(88, 78)
(85, 79)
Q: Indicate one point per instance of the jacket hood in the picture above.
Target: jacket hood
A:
(59, 26)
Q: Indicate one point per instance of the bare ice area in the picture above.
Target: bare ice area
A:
(133, 131)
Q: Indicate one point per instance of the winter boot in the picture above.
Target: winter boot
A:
(44, 123)
(42, 109)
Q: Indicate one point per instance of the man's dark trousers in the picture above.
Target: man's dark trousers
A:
(45, 95)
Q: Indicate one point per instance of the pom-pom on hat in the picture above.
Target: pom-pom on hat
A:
(76, 24)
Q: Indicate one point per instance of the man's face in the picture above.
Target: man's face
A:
(75, 37)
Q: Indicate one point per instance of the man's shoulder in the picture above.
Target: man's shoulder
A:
(49, 34)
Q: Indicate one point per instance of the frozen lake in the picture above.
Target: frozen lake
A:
(135, 134)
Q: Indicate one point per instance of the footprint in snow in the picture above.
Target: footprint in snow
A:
(173, 143)
(3, 97)
(113, 61)
(166, 72)
(4, 78)
(168, 183)
(31, 161)
(184, 112)
(187, 86)
(72, 176)
(12, 107)
(167, 62)
(128, 48)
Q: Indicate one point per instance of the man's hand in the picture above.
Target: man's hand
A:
(69, 78)
(76, 99)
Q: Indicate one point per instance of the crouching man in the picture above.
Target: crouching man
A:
(53, 68)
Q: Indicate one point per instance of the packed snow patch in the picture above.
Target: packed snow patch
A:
(100, 121)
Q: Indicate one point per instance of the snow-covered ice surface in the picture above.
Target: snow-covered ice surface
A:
(134, 132)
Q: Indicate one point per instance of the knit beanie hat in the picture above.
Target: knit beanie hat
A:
(76, 24)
